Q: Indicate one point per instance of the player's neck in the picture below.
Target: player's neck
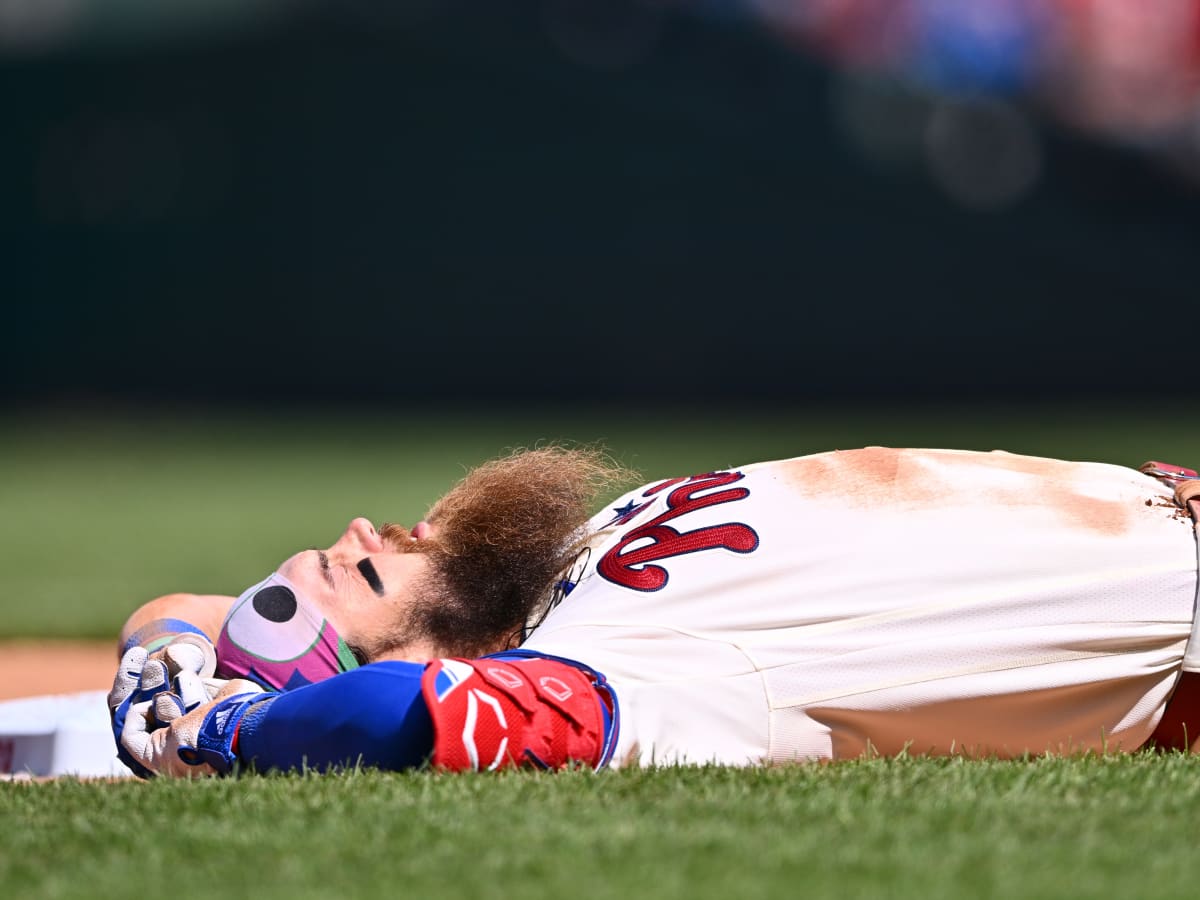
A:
(413, 651)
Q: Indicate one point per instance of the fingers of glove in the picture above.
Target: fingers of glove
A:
(167, 708)
(187, 692)
(189, 688)
(126, 680)
(155, 678)
(191, 653)
(183, 658)
(135, 736)
(120, 699)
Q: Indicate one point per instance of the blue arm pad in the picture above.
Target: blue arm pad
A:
(373, 715)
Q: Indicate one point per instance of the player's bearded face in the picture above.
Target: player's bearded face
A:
(322, 612)
(462, 584)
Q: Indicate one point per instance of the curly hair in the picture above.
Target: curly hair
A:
(501, 538)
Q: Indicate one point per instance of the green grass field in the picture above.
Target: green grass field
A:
(102, 513)
(1093, 827)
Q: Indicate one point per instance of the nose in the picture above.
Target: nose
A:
(361, 534)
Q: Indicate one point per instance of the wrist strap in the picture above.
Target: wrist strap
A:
(157, 634)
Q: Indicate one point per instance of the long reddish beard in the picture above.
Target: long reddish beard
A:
(501, 537)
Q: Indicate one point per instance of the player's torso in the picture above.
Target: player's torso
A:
(805, 608)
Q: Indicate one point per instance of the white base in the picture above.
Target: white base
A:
(58, 734)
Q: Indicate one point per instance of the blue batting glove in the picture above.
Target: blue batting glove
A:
(129, 689)
(183, 733)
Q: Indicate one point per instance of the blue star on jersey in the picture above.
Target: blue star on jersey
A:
(623, 514)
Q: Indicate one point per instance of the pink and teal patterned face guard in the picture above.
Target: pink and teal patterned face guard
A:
(274, 636)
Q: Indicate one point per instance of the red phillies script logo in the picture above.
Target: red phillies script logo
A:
(635, 568)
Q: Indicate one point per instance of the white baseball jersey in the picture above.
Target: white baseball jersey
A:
(881, 599)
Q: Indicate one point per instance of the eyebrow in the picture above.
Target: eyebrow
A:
(323, 560)
(368, 572)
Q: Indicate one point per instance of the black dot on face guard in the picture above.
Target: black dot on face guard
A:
(275, 603)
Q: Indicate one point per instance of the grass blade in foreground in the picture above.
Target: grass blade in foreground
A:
(908, 828)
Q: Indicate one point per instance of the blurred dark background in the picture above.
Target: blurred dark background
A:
(575, 201)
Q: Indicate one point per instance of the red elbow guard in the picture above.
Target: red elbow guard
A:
(504, 713)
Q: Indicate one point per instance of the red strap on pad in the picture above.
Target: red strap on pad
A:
(1185, 482)
(502, 713)
(1154, 467)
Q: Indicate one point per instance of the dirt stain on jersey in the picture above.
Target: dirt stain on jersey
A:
(1054, 486)
(922, 479)
(1103, 516)
(864, 478)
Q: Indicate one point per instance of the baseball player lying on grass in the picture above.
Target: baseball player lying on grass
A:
(817, 608)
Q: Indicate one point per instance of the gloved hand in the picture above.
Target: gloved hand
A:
(140, 676)
(193, 652)
(185, 733)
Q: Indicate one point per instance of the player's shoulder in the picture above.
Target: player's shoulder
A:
(936, 474)
(883, 461)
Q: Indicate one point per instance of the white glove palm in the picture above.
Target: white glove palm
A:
(163, 734)
(140, 676)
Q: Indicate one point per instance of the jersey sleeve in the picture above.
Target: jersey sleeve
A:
(373, 716)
